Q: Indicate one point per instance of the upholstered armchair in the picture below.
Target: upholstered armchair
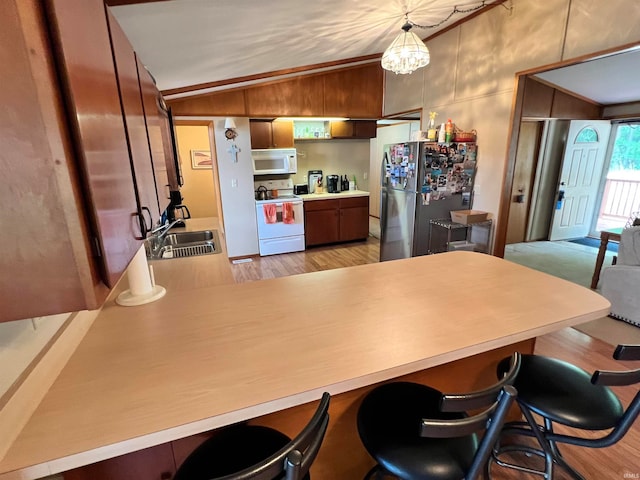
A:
(621, 282)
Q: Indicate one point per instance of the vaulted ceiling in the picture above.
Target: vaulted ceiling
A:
(192, 42)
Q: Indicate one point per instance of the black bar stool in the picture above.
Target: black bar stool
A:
(243, 452)
(416, 433)
(561, 393)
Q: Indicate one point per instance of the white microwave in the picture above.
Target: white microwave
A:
(268, 161)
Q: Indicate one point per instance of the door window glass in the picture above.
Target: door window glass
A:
(587, 135)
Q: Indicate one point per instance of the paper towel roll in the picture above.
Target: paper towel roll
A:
(142, 285)
(138, 274)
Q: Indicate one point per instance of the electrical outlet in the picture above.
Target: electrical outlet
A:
(234, 183)
(365, 175)
(304, 179)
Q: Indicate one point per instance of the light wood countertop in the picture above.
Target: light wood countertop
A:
(200, 358)
(327, 196)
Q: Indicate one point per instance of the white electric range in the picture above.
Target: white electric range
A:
(280, 218)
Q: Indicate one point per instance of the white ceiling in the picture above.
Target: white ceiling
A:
(192, 42)
(606, 80)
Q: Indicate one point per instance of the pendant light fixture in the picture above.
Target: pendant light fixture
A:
(407, 53)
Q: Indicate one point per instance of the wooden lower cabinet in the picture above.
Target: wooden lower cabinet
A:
(354, 218)
(154, 463)
(339, 220)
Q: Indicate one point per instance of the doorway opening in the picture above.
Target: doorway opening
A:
(620, 197)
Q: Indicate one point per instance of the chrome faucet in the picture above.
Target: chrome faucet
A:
(158, 234)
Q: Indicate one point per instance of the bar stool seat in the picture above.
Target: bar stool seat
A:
(243, 452)
(390, 435)
(544, 384)
(232, 450)
(560, 393)
(415, 432)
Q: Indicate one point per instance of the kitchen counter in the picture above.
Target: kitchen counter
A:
(327, 196)
(210, 353)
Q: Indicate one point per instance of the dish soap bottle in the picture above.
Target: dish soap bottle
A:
(448, 131)
(431, 129)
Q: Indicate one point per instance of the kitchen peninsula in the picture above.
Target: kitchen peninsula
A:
(207, 356)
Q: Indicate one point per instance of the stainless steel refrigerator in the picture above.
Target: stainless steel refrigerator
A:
(421, 181)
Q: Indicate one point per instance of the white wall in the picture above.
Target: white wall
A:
(471, 76)
(236, 187)
(20, 343)
(238, 202)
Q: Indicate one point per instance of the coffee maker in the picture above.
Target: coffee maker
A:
(333, 182)
(175, 206)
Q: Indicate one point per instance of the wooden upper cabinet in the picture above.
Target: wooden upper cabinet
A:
(48, 264)
(134, 118)
(282, 133)
(296, 97)
(355, 92)
(170, 149)
(271, 134)
(229, 103)
(156, 123)
(354, 129)
(261, 133)
(86, 68)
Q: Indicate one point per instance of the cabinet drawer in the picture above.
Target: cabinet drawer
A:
(313, 205)
(354, 202)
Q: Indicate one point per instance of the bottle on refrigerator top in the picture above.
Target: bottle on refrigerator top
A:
(448, 131)
(441, 134)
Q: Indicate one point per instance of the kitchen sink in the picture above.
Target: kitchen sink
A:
(184, 244)
(183, 238)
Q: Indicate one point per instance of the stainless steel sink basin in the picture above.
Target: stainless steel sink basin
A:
(185, 244)
(183, 238)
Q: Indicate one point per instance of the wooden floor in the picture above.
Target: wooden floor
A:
(311, 260)
(617, 462)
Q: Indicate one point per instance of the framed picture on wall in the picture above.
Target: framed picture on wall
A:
(201, 159)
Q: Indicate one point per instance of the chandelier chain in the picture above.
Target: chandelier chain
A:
(448, 17)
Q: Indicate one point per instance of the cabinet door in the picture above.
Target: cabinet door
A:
(86, 68)
(354, 218)
(282, 133)
(47, 265)
(365, 129)
(342, 129)
(155, 122)
(155, 463)
(321, 226)
(354, 223)
(136, 130)
(261, 133)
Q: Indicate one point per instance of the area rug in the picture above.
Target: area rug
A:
(595, 242)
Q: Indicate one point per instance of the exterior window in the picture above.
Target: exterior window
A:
(587, 135)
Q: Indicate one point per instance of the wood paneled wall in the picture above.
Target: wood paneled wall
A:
(349, 92)
(543, 101)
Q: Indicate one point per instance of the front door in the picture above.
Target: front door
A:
(579, 179)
